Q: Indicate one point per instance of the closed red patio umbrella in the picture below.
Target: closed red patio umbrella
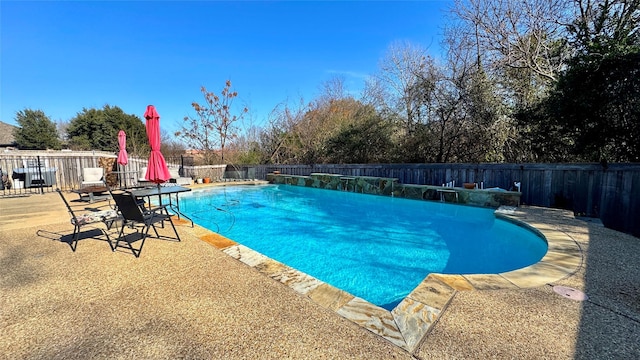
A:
(123, 158)
(157, 171)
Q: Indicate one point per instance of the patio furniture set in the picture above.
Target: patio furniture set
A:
(93, 187)
(132, 209)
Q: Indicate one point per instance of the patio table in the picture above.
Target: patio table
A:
(94, 192)
(169, 191)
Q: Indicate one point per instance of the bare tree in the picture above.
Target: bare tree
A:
(214, 125)
(521, 40)
(333, 89)
(171, 147)
(404, 83)
(62, 126)
(279, 141)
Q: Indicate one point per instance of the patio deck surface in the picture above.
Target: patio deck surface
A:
(192, 300)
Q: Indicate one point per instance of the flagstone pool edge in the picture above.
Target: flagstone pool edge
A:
(410, 321)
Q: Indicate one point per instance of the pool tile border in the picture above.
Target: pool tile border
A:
(408, 323)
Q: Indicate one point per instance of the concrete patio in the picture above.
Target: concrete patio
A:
(190, 299)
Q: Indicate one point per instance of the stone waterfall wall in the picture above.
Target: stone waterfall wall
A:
(492, 198)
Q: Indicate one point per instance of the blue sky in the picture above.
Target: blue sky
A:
(63, 56)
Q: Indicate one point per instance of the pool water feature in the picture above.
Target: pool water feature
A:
(374, 247)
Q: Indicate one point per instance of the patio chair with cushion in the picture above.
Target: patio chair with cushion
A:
(136, 216)
(92, 177)
(142, 181)
(177, 179)
(107, 217)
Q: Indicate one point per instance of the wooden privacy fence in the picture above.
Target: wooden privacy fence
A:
(610, 192)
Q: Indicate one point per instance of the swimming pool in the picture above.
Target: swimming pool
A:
(374, 247)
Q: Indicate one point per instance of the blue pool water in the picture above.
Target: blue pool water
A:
(375, 247)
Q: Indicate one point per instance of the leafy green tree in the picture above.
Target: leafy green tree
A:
(324, 119)
(542, 137)
(97, 129)
(36, 131)
(598, 97)
(250, 156)
(488, 131)
(598, 105)
(593, 113)
(365, 140)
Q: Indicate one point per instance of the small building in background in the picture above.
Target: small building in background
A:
(6, 136)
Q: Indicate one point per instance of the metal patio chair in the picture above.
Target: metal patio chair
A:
(107, 217)
(136, 217)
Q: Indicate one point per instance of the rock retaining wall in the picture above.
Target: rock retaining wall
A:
(492, 198)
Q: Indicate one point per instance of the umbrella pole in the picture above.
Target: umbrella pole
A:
(122, 176)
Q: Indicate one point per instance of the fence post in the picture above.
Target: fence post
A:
(41, 181)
